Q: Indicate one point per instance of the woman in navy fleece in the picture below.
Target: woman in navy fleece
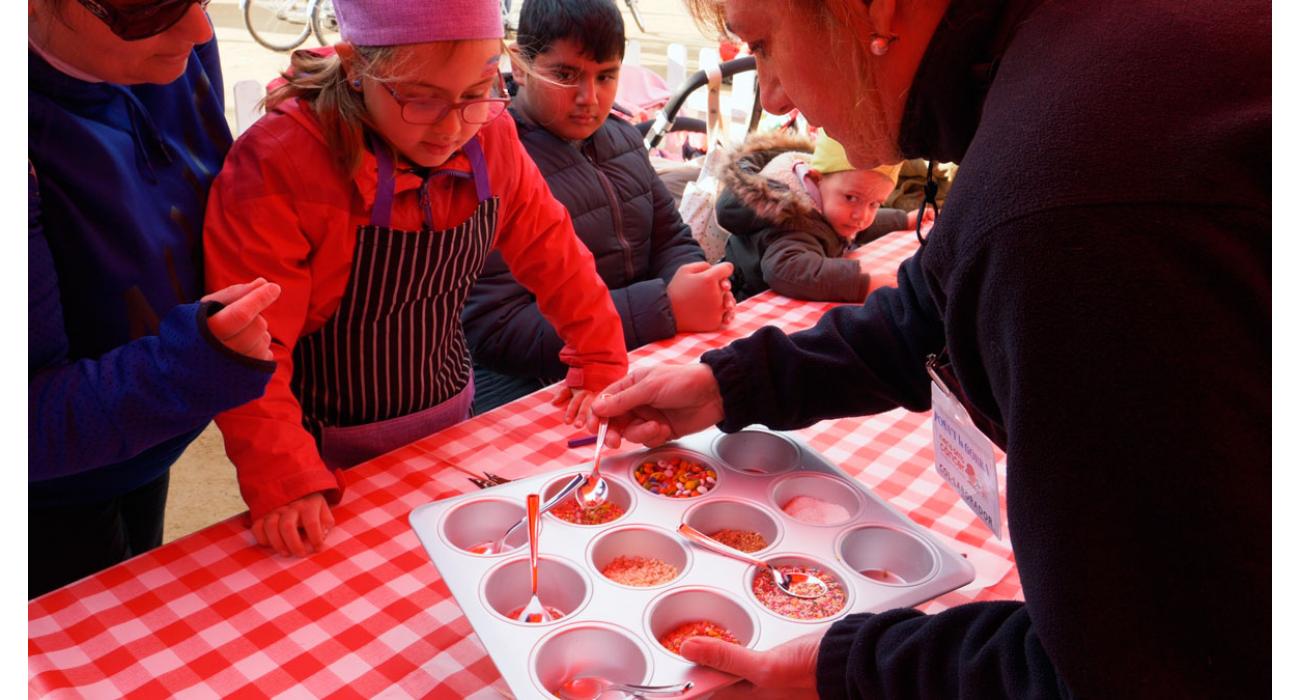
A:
(126, 364)
(1111, 330)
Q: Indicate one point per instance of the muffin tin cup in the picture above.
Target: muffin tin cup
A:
(730, 513)
(805, 561)
(698, 603)
(667, 452)
(482, 521)
(756, 452)
(887, 556)
(822, 487)
(618, 493)
(561, 584)
(638, 541)
(588, 648)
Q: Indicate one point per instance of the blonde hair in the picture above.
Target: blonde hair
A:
(322, 83)
(848, 24)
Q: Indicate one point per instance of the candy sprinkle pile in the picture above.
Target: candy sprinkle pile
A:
(700, 628)
(744, 540)
(639, 571)
(777, 601)
(675, 477)
(570, 512)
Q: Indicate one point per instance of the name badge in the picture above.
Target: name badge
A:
(964, 456)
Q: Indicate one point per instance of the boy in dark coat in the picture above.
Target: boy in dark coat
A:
(598, 168)
(795, 213)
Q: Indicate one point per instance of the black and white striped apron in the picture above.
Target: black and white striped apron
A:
(392, 366)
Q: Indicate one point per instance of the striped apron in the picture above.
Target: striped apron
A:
(392, 366)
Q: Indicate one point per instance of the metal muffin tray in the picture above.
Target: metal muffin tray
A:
(611, 629)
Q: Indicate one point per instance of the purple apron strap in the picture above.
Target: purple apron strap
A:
(482, 185)
(381, 214)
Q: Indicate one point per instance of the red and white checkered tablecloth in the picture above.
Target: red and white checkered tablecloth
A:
(212, 615)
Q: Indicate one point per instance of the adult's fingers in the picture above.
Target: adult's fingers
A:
(619, 400)
(727, 657)
(240, 313)
(233, 292)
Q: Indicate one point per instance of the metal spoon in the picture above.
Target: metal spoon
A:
(591, 687)
(500, 544)
(593, 493)
(786, 582)
(534, 612)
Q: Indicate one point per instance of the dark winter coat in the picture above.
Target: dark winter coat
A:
(779, 239)
(623, 214)
(1116, 325)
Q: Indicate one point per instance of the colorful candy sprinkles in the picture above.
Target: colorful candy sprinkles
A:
(675, 477)
(570, 512)
(777, 601)
(673, 640)
(744, 540)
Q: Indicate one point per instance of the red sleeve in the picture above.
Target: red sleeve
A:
(252, 230)
(537, 241)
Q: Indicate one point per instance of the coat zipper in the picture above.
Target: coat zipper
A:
(616, 208)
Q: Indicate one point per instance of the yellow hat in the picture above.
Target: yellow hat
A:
(829, 157)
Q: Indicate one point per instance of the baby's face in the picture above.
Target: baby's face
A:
(850, 199)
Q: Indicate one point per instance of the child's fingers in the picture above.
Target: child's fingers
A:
(259, 532)
(722, 270)
(695, 267)
(289, 533)
(314, 527)
(271, 528)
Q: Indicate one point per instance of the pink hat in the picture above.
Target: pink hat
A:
(396, 22)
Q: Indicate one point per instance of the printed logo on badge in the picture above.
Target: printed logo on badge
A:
(964, 458)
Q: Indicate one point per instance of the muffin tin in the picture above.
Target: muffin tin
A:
(882, 559)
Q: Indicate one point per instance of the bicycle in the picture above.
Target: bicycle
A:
(283, 25)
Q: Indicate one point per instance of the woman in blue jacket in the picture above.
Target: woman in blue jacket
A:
(597, 166)
(126, 364)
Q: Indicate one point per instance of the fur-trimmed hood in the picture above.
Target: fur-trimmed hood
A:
(760, 173)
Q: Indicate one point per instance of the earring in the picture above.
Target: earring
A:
(880, 43)
(356, 83)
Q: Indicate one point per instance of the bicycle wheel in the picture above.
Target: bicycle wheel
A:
(279, 25)
(636, 14)
(325, 24)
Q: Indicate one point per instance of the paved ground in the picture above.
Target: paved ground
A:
(203, 489)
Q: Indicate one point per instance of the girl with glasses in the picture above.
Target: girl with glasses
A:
(126, 363)
(373, 192)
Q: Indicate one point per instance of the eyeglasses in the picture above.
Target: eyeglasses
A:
(431, 110)
(141, 21)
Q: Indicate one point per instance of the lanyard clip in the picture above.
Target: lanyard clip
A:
(932, 368)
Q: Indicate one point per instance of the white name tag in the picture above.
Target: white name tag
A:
(964, 457)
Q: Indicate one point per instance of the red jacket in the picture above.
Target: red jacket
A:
(282, 208)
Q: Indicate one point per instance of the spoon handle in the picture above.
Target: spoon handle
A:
(600, 446)
(676, 689)
(534, 520)
(709, 543)
(550, 503)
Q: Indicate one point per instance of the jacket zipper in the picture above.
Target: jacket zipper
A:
(616, 209)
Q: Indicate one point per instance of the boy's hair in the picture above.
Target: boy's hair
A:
(595, 25)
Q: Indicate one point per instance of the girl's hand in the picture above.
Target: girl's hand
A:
(282, 528)
(927, 219)
(240, 326)
(698, 297)
(577, 405)
(785, 671)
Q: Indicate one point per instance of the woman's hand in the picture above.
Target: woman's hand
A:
(785, 671)
(239, 325)
(282, 529)
(653, 406)
(698, 294)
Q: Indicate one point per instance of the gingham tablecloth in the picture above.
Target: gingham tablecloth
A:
(212, 615)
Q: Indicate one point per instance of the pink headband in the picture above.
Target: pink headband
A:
(397, 22)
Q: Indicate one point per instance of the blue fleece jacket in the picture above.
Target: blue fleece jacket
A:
(123, 372)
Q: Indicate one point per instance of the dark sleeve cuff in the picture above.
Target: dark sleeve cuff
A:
(205, 311)
(737, 401)
(833, 657)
